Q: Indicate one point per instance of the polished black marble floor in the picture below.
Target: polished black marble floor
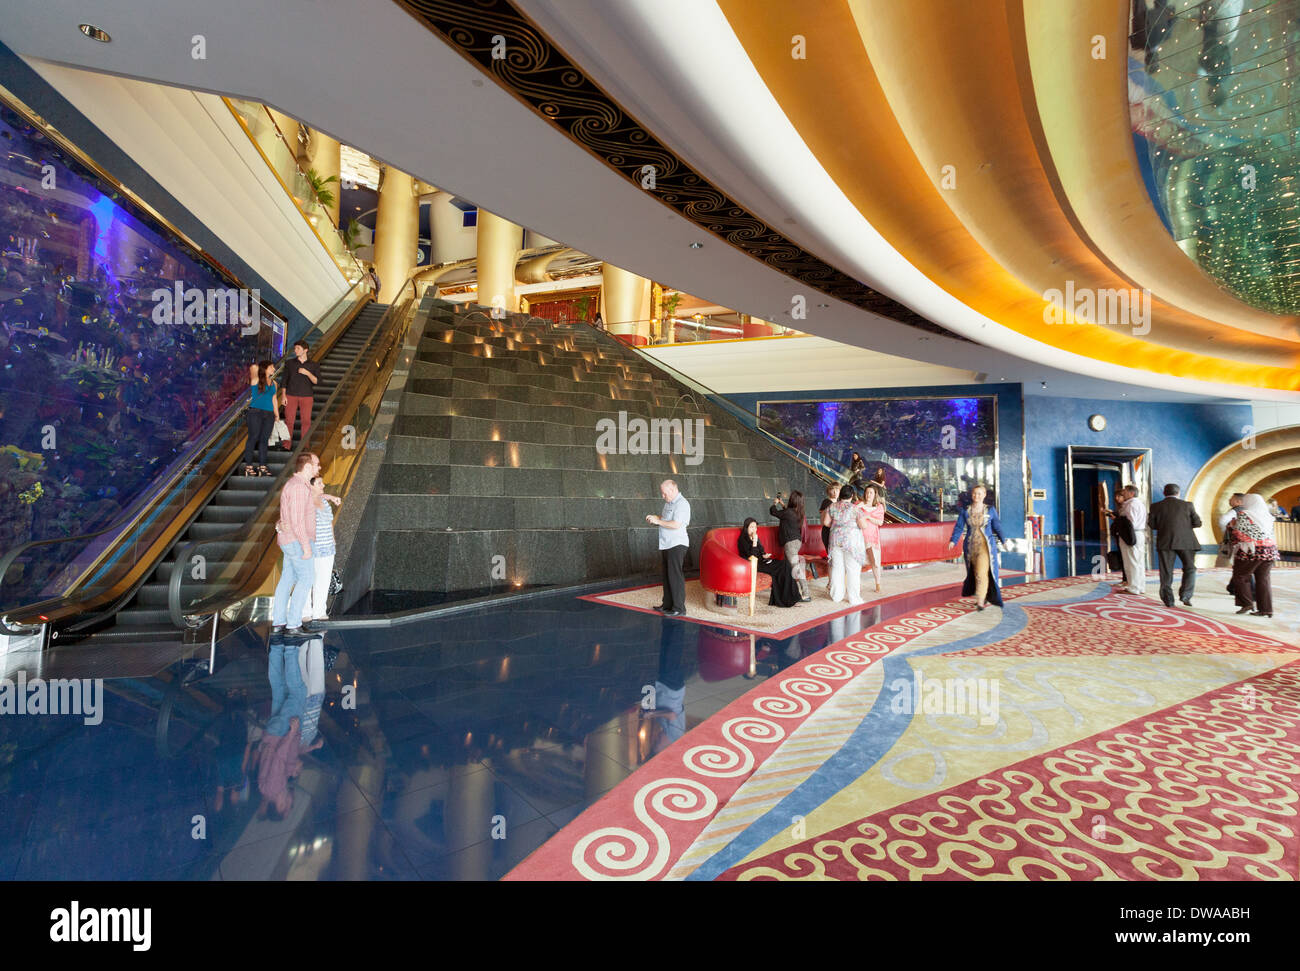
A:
(452, 746)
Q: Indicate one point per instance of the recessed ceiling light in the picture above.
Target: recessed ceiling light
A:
(697, 245)
(94, 33)
(822, 306)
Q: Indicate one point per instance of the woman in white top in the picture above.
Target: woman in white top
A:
(322, 552)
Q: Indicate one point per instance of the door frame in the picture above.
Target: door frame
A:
(1093, 453)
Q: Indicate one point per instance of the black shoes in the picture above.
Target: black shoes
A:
(1258, 613)
(674, 613)
(661, 608)
(1186, 603)
(1247, 609)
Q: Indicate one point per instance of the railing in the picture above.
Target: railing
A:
(273, 145)
(99, 567)
(821, 466)
(191, 601)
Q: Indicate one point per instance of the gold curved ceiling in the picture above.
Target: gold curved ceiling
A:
(931, 83)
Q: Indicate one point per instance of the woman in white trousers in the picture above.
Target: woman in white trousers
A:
(848, 550)
(323, 552)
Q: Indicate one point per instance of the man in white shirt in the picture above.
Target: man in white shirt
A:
(1134, 555)
(673, 544)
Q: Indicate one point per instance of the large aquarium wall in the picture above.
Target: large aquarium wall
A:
(1216, 122)
(931, 450)
(104, 377)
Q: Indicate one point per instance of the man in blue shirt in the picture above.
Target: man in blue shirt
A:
(673, 544)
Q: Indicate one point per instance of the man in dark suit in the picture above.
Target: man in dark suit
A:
(1173, 519)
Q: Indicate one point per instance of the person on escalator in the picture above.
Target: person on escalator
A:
(295, 532)
(322, 550)
(300, 379)
(262, 415)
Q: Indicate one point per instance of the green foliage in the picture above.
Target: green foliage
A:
(319, 186)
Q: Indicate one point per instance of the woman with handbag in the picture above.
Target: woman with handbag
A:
(1254, 553)
(980, 524)
(262, 415)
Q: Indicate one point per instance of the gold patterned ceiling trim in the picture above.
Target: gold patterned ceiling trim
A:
(542, 77)
(1090, 142)
(863, 149)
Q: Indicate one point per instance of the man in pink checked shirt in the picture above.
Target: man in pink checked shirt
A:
(294, 533)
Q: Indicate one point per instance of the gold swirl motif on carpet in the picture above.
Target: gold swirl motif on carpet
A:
(1205, 789)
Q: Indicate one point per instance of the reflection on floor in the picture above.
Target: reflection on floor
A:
(453, 747)
(1078, 733)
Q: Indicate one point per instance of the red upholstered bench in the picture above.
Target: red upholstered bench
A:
(723, 573)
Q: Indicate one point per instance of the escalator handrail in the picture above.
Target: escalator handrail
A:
(396, 311)
(130, 519)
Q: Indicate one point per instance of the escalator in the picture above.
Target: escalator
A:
(143, 615)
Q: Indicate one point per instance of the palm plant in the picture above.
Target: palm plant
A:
(320, 185)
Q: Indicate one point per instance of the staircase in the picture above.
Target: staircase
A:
(493, 462)
(145, 617)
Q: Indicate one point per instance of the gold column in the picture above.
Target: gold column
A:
(625, 304)
(397, 231)
(499, 242)
(325, 160)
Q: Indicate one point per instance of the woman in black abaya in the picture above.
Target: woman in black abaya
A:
(785, 591)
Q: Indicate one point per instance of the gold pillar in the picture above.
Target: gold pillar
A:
(397, 231)
(325, 160)
(625, 304)
(499, 242)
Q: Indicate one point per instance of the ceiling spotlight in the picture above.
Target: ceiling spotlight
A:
(822, 306)
(94, 33)
(697, 245)
(1044, 384)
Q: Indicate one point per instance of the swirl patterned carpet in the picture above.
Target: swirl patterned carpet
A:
(1076, 734)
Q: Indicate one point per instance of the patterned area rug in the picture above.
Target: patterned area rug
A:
(1076, 734)
(790, 620)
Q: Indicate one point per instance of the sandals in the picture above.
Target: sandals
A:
(248, 470)
(263, 470)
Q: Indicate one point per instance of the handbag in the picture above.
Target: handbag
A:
(279, 433)
(336, 582)
(1115, 562)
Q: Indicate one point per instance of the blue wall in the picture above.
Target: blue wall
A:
(1011, 492)
(1182, 438)
(43, 99)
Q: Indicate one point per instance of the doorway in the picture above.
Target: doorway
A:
(1094, 474)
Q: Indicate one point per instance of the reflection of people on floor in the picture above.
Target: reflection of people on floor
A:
(311, 665)
(279, 755)
(667, 710)
(785, 591)
(1254, 553)
(979, 524)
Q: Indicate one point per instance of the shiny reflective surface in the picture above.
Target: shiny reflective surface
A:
(452, 747)
(1214, 110)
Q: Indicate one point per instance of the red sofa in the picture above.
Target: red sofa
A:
(723, 572)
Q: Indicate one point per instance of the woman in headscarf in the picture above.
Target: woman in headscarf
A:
(785, 592)
(1254, 552)
(848, 550)
(980, 524)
